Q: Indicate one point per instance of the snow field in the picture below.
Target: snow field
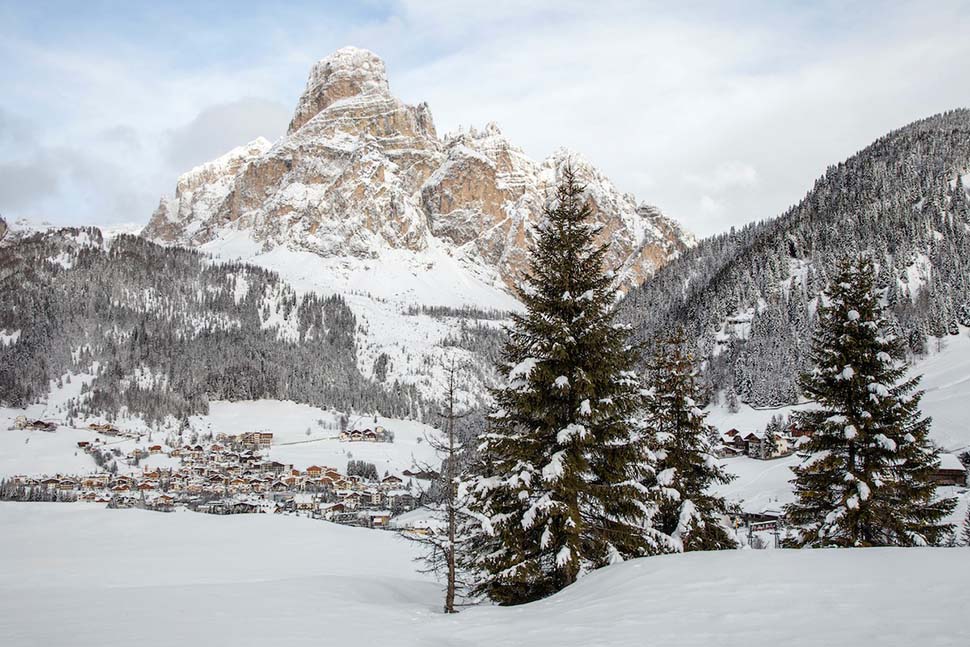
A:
(80, 575)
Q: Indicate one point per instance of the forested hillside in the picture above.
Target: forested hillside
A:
(165, 330)
(748, 297)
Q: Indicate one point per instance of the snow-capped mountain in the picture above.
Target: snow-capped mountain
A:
(360, 174)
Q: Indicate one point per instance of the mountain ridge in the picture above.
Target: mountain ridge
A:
(359, 172)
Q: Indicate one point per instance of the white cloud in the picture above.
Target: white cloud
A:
(727, 175)
(745, 107)
(221, 127)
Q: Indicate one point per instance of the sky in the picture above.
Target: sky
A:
(720, 113)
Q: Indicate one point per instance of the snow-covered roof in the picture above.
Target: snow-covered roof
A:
(951, 462)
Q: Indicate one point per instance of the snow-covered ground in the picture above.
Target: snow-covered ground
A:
(946, 381)
(79, 575)
(290, 421)
(38, 452)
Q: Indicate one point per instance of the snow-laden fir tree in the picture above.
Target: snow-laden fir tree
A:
(867, 482)
(689, 513)
(566, 456)
(965, 532)
(769, 445)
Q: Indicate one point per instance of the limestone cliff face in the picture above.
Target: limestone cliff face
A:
(359, 172)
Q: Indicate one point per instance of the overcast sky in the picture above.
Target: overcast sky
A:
(720, 113)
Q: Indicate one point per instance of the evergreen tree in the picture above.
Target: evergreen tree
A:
(683, 445)
(769, 446)
(733, 406)
(562, 493)
(965, 532)
(867, 482)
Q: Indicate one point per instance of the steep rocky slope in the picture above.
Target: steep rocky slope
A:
(360, 173)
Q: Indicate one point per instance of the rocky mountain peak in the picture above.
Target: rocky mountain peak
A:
(348, 72)
(361, 174)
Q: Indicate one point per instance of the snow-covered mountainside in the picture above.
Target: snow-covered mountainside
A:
(65, 578)
(359, 173)
(363, 199)
(748, 297)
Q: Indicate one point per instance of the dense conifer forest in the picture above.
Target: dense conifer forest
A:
(748, 298)
(170, 330)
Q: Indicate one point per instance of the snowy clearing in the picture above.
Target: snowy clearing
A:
(76, 574)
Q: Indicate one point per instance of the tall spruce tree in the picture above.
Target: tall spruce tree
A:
(683, 445)
(867, 482)
(562, 493)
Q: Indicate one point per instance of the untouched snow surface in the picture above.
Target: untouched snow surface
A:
(76, 574)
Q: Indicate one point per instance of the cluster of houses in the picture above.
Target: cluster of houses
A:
(233, 476)
(21, 422)
(755, 445)
(375, 435)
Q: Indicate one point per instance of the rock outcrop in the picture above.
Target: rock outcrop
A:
(359, 172)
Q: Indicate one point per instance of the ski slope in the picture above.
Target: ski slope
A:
(80, 575)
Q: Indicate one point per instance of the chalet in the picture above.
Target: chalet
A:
(94, 481)
(753, 443)
(155, 449)
(766, 518)
(304, 502)
(400, 499)
(66, 485)
(83, 444)
(378, 518)
(330, 509)
(35, 425)
(314, 471)
(391, 480)
(274, 467)
(950, 471)
(424, 475)
(164, 501)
